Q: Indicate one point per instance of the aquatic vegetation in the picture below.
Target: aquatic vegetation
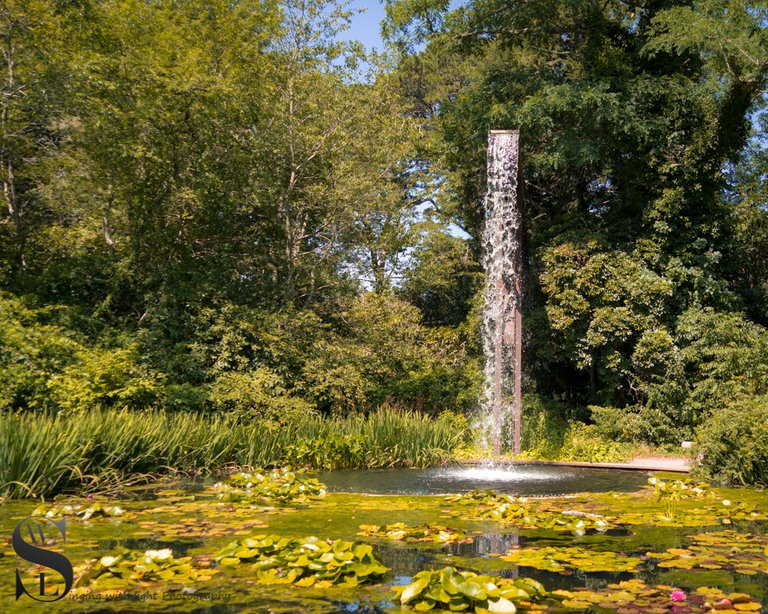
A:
(91, 511)
(484, 498)
(636, 597)
(450, 589)
(487, 504)
(130, 567)
(738, 511)
(724, 512)
(670, 492)
(41, 454)
(745, 553)
(304, 562)
(281, 486)
(212, 545)
(564, 559)
(399, 531)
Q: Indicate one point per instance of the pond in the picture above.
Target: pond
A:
(599, 551)
(524, 480)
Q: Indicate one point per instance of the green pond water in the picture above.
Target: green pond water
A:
(190, 520)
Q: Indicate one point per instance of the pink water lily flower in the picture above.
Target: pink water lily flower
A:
(678, 596)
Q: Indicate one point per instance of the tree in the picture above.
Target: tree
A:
(630, 112)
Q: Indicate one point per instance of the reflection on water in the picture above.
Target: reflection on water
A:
(527, 480)
(179, 547)
(486, 544)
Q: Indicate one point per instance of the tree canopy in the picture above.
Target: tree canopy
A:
(223, 206)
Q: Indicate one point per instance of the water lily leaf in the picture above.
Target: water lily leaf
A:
(413, 589)
(425, 533)
(424, 606)
(501, 605)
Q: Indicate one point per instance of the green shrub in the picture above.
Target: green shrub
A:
(258, 394)
(732, 444)
(583, 443)
(543, 427)
(30, 353)
(106, 378)
(550, 431)
(46, 367)
(636, 424)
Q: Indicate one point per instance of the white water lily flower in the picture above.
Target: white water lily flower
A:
(726, 502)
(652, 480)
(158, 555)
(108, 561)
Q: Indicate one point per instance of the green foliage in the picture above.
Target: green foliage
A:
(583, 442)
(281, 486)
(30, 353)
(732, 444)
(559, 559)
(42, 454)
(549, 435)
(388, 356)
(726, 357)
(304, 562)
(443, 280)
(742, 552)
(428, 533)
(283, 365)
(636, 424)
(669, 493)
(131, 567)
(106, 378)
(491, 505)
(45, 366)
(449, 589)
(645, 598)
(87, 512)
(257, 395)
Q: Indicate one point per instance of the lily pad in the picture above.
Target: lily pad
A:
(427, 533)
(280, 560)
(571, 558)
(450, 589)
(744, 553)
(279, 486)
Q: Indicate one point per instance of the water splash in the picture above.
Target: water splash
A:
(501, 332)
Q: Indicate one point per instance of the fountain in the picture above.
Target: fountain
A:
(503, 248)
(502, 343)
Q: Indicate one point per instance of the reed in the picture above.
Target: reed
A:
(42, 454)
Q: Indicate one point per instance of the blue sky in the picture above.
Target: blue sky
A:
(365, 26)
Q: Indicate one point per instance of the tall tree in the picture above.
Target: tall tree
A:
(629, 112)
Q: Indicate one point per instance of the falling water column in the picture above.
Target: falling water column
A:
(503, 246)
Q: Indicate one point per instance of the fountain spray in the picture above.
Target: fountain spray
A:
(503, 248)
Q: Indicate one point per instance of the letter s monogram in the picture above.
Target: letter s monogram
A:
(41, 556)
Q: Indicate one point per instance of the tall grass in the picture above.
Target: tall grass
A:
(42, 454)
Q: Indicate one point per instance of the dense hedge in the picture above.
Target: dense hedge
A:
(732, 445)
